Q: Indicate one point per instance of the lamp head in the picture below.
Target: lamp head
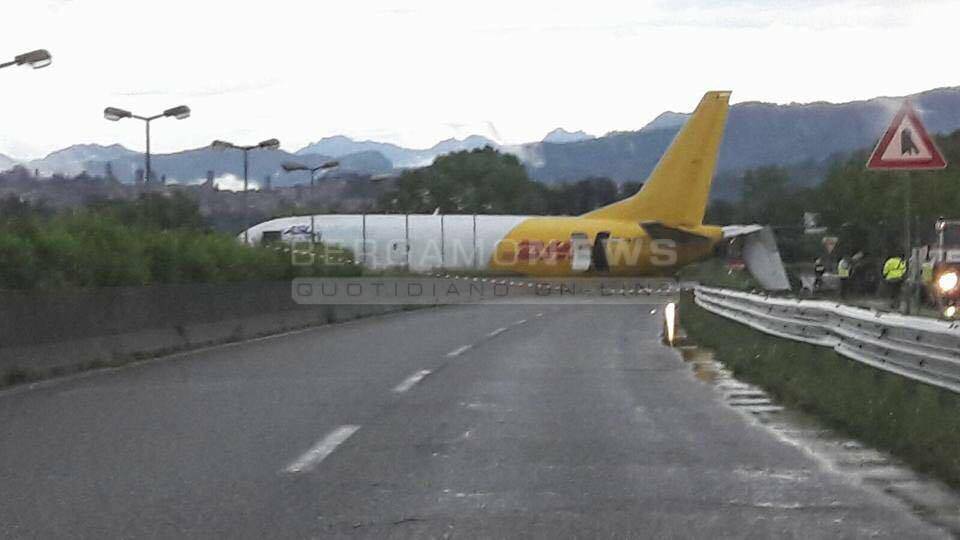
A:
(221, 145)
(37, 59)
(114, 114)
(291, 166)
(269, 144)
(179, 113)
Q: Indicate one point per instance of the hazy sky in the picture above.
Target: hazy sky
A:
(416, 71)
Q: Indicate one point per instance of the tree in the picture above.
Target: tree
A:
(583, 196)
(154, 211)
(628, 189)
(482, 181)
(768, 198)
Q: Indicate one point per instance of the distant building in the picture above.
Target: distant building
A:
(811, 223)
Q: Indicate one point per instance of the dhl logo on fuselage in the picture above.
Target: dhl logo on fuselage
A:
(537, 250)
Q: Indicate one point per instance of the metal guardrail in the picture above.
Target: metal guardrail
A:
(923, 349)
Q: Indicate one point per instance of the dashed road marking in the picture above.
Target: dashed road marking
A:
(321, 450)
(410, 381)
(521, 321)
(497, 332)
(459, 351)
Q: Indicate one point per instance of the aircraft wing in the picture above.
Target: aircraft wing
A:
(761, 255)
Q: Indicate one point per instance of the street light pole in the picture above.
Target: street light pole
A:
(114, 115)
(292, 166)
(147, 171)
(246, 167)
(269, 144)
(246, 197)
(313, 196)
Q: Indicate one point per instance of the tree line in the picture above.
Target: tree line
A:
(486, 181)
(157, 238)
(864, 208)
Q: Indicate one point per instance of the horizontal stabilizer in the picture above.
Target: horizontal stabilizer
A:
(659, 231)
(731, 231)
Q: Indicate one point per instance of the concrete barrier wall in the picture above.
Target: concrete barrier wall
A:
(44, 330)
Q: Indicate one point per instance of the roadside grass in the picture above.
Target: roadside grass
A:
(917, 422)
(18, 375)
(714, 272)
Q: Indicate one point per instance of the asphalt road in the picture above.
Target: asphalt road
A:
(473, 421)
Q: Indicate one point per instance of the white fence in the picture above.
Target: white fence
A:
(927, 350)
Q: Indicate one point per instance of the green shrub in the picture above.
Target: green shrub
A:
(105, 246)
(18, 262)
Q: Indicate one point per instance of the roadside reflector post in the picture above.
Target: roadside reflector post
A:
(670, 323)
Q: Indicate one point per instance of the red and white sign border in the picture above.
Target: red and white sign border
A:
(935, 161)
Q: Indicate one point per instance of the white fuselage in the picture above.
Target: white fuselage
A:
(380, 241)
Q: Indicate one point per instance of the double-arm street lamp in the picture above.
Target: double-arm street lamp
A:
(114, 114)
(37, 59)
(269, 144)
(293, 166)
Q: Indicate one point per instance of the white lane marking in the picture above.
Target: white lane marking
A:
(539, 315)
(321, 450)
(410, 381)
(521, 321)
(497, 332)
(459, 351)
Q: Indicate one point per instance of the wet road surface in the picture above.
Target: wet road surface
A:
(470, 421)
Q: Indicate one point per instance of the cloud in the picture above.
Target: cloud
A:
(231, 182)
(406, 71)
(136, 93)
(220, 90)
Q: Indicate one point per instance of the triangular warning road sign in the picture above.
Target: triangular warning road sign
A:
(829, 243)
(906, 145)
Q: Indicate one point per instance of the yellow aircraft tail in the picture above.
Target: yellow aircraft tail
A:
(676, 191)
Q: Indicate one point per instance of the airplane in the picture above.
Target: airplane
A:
(655, 232)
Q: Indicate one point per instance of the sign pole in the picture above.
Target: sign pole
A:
(907, 213)
(907, 240)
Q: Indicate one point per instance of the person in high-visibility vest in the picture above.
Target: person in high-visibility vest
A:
(843, 272)
(894, 270)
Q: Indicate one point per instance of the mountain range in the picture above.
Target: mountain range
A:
(193, 165)
(561, 136)
(803, 137)
(6, 162)
(339, 146)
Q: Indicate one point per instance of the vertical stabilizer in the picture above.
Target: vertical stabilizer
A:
(676, 191)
